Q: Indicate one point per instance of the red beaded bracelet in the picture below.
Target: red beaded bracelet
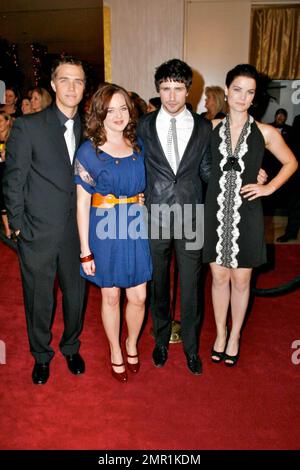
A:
(85, 259)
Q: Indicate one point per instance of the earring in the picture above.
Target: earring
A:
(225, 98)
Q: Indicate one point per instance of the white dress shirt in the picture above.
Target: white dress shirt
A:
(70, 138)
(184, 127)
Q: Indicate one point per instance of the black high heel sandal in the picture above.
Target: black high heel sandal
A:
(233, 359)
(219, 356)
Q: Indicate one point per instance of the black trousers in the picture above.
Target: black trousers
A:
(44, 252)
(189, 264)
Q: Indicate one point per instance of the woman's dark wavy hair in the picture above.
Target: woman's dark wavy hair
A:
(174, 70)
(94, 123)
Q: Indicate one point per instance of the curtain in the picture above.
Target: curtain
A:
(275, 42)
(107, 44)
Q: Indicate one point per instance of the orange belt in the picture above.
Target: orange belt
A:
(98, 200)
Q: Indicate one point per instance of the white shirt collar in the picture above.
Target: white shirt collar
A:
(165, 116)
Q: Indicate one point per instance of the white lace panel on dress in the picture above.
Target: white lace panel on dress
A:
(229, 198)
(84, 174)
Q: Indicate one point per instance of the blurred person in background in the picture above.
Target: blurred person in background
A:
(26, 106)
(11, 102)
(292, 134)
(215, 103)
(139, 104)
(40, 99)
(5, 125)
(154, 104)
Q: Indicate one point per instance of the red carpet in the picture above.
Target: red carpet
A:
(253, 406)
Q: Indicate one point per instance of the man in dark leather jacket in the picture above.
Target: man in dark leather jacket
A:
(177, 162)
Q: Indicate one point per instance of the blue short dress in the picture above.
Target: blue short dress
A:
(118, 235)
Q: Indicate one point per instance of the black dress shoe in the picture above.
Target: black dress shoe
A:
(75, 363)
(160, 355)
(287, 237)
(40, 373)
(194, 363)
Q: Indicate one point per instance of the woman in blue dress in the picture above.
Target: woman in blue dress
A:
(110, 177)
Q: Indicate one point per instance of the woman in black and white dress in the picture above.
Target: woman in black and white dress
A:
(234, 225)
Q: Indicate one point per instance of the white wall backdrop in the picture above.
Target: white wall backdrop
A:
(144, 33)
(211, 35)
(216, 38)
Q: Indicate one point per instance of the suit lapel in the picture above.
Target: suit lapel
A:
(57, 136)
(157, 143)
(185, 155)
(78, 134)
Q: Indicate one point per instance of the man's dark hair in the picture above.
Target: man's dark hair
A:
(281, 111)
(65, 59)
(173, 70)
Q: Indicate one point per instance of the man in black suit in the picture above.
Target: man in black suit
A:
(40, 197)
(293, 190)
(177, 162)
(279, 122)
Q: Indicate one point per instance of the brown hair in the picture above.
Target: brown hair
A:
(94, 127)
(65, 59)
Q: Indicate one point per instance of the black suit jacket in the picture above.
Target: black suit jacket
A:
(39, 178)
(186, 186)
